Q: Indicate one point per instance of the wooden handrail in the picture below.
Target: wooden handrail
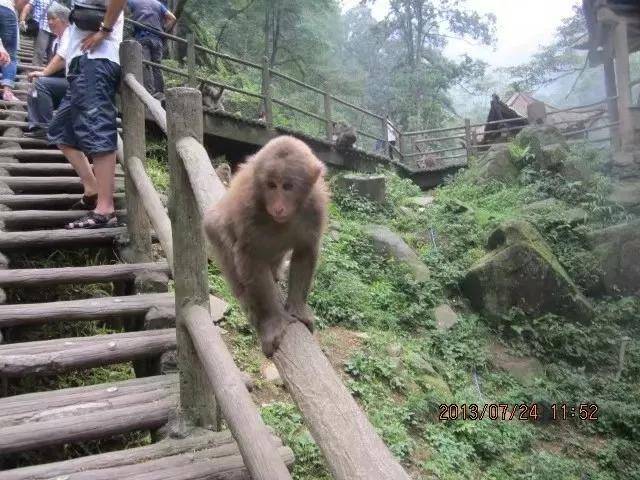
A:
(594, 129)
(299, 110)
(155, 107)
(435, 130)
(439, 139)
(153, 206)
(254, 440)
(205, 183)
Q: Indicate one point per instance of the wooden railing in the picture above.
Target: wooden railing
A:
(209, 378)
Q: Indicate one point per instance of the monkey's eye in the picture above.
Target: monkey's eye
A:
(287, 186)
(272, 185)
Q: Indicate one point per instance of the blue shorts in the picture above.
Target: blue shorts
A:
(86, 117)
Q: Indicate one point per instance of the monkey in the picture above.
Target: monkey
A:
(224, 172)
(212, 97)
(276, 203)
(344, 136)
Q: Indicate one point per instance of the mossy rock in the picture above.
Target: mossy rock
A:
(538, 136)
(618, 251)
(497, 164)
(522, 273)
(557, 209)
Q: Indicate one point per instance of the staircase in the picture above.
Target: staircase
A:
(37, 186)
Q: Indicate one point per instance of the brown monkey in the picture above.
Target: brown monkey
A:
(344, 135)
(276, 203)
(212, 97)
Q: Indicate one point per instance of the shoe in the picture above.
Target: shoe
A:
(86, 203)
(92, 221)
(36, 133)
(8, 96)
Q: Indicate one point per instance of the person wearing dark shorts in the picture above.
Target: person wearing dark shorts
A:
(84, 125)
(157, 18)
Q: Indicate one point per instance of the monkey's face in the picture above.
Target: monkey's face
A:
(285, 185)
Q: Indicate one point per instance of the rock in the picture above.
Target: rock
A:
(371, 187)
(270, 373)
(618, 251)
(394, 349)
(445, 317)
(627, 194)
(525, 369)
(571, 215)
(553, 157)
(390, 243)
(422, 201)
(497, 165)
(522, 273)
(362, 335)
(538, 136)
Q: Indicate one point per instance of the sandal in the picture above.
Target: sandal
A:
(86, 203)
(93, 220)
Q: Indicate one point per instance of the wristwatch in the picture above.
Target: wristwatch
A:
(104, 28)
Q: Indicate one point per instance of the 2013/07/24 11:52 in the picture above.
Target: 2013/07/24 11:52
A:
(525, 412)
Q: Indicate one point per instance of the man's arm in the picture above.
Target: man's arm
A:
(56, 64)
(169, 21)
(110, 17)
(24, 14)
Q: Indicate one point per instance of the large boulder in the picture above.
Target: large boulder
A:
(521, 272)
(496, 164)
(391, 244)
(627, 194)
(548, 148)
(618, 250)
(371, 187)
(563, 212)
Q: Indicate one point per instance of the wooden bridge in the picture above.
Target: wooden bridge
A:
(185, 410)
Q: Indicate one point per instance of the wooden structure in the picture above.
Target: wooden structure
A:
(614, 34)
(208, 387)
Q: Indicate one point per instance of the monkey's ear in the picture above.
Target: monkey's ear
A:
(317, 170)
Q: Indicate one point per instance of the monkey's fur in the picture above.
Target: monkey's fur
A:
(224, 172)
(344, 136)
(276, 203)
(212, 97)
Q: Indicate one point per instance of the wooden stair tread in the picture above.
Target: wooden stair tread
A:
(48, 201)
(82, 421)
(62, 238)
(31, 277)
(57, 184)
(31, 153)
(41, 219)
(203, 455)
(87, 309)
(65, 354)
(43, 169)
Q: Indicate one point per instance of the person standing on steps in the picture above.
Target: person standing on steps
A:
(45, 37)
(8, 48)
(157, 18)
(84, 125)
(49, 84)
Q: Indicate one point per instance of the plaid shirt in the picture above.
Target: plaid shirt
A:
(39, 13)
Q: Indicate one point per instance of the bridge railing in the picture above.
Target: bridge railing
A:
(209, 378)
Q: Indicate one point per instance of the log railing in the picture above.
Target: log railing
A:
(209, 379)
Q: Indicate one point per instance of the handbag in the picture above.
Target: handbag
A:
(88, 14)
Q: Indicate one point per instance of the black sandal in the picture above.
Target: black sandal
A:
(86, 203)
(93, 220)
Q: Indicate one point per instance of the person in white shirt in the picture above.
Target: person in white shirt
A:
(391, 137)
(39, 9)
(85, 123)
(50, 83)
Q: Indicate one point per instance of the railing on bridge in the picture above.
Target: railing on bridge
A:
(209, 379)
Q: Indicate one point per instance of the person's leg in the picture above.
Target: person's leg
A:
(83, 168)
(40, 48)
(9, 36)
(104, 168)
(45, 98)
(156, 57)
(147, 70)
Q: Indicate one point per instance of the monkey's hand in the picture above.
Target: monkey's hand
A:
(302, 312)
(272, 330)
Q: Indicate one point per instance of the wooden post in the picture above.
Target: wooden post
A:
(133, 125)
(328, 114)
(184, 118)
(401, 145)
(468, 138)
(385, 135)
(623, 78)
(266, 93)
(191, 60)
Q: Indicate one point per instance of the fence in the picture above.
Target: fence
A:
(209, 379)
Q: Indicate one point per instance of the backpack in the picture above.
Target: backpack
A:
(88, 14)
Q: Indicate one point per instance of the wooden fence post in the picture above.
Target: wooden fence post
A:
(468, 138)
(623, 78)
(266, 93)
(328, 113)
(385, 136)
(133, 132)
(191, 60)
(184, 118)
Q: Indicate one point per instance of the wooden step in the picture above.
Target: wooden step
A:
(40, 277)
(40, 219)
(77, 310)
(65, 354)
(82, 421)
(24, 141)
(216, 449)
(48, 201)
(43, 169)
(32, 154)
(13, 123)
(19, 103)
(49, 184)
(61, 238)
(19, 113)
